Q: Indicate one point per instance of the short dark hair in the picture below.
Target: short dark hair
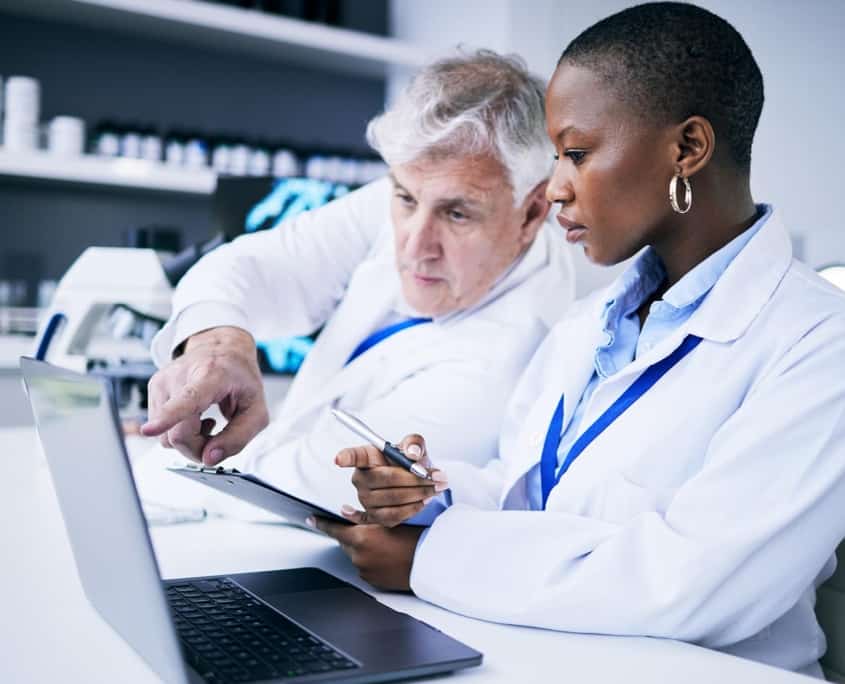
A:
(672, 60)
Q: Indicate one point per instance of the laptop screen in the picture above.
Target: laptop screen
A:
(77, 423)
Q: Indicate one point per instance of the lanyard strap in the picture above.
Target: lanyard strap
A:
(548, 462)
(379, 335)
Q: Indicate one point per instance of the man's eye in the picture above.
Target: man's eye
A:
(407, 200)
(457, 215)
(577, 156)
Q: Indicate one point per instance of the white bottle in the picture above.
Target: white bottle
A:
(66, 136)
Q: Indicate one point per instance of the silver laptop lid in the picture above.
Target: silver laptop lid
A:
(77, 423)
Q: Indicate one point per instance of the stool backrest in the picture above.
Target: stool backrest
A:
(830, 610)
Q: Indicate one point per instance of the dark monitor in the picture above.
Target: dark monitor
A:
(247, 204)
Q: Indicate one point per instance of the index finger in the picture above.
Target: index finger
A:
(360, 457)
(188, 403)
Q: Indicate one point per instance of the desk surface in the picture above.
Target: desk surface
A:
(49, 632)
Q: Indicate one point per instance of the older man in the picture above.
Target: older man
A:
(433, 288)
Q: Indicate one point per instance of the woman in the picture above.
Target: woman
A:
(673, 461)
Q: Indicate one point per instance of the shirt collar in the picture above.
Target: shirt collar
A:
(647, 272)
(691, 289)
(635, 285)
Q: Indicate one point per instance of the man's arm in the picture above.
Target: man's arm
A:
(217, 366)
(284, 281)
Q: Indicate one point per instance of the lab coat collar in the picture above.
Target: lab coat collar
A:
(726, 313)
(746, 285)
(328, 376)
(565, 375)
(734, 301)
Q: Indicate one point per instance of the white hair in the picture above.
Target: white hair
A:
(470, 104)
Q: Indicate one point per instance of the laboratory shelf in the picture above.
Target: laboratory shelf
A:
(121, 173)
(237, 30)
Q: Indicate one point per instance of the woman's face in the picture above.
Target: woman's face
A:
(612, 172)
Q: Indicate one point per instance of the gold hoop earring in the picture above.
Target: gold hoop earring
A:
(673, 194)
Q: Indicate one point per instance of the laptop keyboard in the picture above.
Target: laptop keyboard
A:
(228, 635)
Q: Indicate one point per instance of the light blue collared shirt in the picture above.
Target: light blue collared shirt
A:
(624, 341)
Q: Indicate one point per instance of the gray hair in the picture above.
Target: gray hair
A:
(470, 104)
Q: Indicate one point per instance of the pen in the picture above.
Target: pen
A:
(392, 452)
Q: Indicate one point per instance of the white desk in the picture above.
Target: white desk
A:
(49, 632)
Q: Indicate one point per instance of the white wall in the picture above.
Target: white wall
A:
(800, 47)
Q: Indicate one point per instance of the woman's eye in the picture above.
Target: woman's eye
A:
(577, 156)
(407, 200)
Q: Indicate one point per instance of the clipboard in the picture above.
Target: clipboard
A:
(253, 490)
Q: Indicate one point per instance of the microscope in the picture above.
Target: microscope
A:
(106, 310)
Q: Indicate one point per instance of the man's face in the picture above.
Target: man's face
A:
(456, 228)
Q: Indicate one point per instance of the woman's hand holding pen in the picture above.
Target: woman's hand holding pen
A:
(389, 494)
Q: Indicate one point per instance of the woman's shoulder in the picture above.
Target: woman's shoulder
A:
(807, 299)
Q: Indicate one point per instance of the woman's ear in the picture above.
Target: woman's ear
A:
(695, 143)
(535, 208)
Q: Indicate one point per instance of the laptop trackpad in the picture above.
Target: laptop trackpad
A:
(321, 602)
(365, 629)
(335, 612)
(355, 622)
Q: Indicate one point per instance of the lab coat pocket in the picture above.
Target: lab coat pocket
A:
(622, 499)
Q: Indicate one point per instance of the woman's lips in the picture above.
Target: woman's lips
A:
(574, 231)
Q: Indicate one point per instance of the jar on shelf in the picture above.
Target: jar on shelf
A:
(130, 141)
(106, 141)
(196, 151)
(151, 145)
(174, 148)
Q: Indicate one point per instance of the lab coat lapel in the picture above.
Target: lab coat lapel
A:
(731, 306)
(405, 350)
(746, 286)
(568, 376)
(726, 313)
(322, 379)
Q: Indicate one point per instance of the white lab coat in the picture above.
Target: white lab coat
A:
(335, 266)
(708, 511)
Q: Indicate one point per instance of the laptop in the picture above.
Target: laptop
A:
(283, 625)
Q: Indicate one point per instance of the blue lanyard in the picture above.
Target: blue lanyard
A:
(548, 462)
(379, 335)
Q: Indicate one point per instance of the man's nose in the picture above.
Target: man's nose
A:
(423, 237)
